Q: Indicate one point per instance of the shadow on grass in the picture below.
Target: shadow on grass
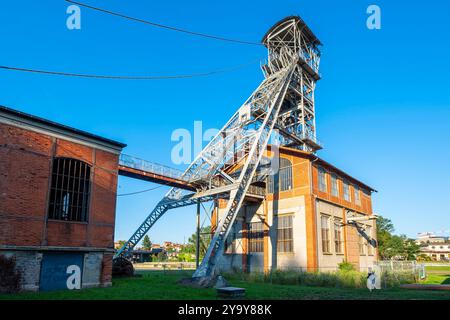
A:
(447, 280)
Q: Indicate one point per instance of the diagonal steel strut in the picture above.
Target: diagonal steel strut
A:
(216, 155)
(276, 97)
(228, 166)
(161, 208)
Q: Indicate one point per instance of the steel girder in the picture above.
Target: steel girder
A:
(285, 101)
(272, 108)
(162, 207)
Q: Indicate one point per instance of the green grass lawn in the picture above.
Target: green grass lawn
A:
(160, 285)
(437, 275)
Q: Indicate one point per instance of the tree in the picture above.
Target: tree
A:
(205, 240)
(160, 257)
(121, 243)
(384, 225)
(391, 246)
(146, 243)
(386, 246)
(411, 249)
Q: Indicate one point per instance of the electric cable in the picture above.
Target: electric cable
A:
(158, 25)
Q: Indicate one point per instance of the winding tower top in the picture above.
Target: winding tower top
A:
(232, 162)
(291, 37)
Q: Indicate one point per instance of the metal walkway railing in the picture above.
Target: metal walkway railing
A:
(143, 165)
(164, 171)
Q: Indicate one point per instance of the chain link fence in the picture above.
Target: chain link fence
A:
(392, 273)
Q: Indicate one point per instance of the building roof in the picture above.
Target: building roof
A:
(55, 127)
(326, 164)
(302, 25)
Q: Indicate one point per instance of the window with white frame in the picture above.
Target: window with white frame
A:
(285, 174)
(256, 237)
(322, 180)
(338, 236)
(285, 236)
(334, 186)
(346, 190)
(325, 233)
(356, 195)
(281, 181)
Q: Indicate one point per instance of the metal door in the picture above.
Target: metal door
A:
(61, 271)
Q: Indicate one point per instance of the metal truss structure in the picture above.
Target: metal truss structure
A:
(230, 165)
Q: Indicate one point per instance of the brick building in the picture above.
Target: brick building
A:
(303, 221)
(57, 202)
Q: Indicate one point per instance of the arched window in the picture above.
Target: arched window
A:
(70, 189)
(281, 181)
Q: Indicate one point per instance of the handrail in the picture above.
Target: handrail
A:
(147, 166)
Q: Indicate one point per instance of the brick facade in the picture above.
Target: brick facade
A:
(306, 203)
(27, 150)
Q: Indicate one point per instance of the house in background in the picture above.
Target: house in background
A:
(435, 247)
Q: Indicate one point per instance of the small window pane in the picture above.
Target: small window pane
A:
(282, 180)
(256, 236)
(346, 188)
(322, 180)
(285, 235)
(325, 228)
(334, 186)
(338, 239)
(356, 195)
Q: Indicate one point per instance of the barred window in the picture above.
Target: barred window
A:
(285, 237)
(281, 181)
(338, 236)
(346, 188)
(70, 189)
(334, 186)
(256, 237)
(285, 174)
(356, 193)
(322, 180)
(325, 228)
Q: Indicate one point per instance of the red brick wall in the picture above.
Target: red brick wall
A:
(106, 275)
(25, 167)
(24, 171)
(364, 207)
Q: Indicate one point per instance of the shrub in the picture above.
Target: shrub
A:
(344, 278)
(10, 278)
(391, 279)
(348, 279)
(346, 266)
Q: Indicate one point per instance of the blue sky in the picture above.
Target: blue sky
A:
(383, 105)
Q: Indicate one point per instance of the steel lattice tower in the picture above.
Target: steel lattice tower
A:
(284, 101)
